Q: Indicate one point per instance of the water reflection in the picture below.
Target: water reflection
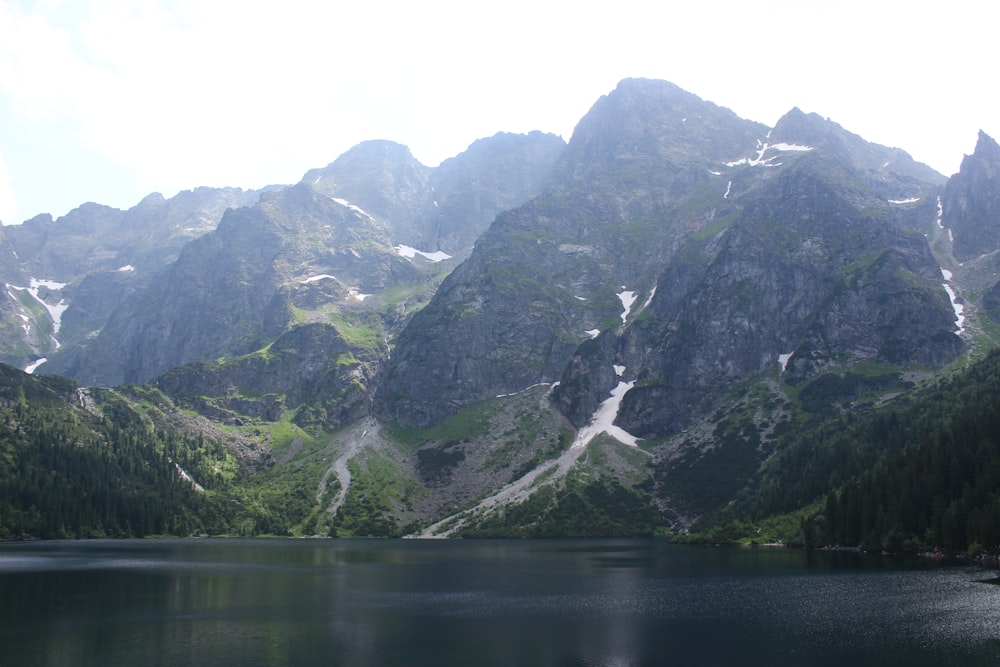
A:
(285, 602)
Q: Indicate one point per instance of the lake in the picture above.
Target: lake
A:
(472, 602)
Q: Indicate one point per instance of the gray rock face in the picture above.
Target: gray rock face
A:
(698, 249)
(971, 202)
(491, 176)
(91, 259)
(809, 278)
(312, 252)
(232, 291)
(444, 208)
(629, 187)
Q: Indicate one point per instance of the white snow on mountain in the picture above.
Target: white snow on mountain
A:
(783, 360)
(312, 279)
(627, 298)
(763, 148)
(356, 209)
(32, 367)
(409, 253)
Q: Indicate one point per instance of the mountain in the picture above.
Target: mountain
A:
(546, 274)
(446, 208)
(636, 332)
(288, 306)
(64, 277)
(763, 247)
(972, 202)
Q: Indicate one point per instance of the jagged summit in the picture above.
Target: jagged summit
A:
(813, 130)
(986, 148)
(971, 202)
(655, 120)
(653, 186)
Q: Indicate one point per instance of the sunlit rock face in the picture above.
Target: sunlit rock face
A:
(693, 248)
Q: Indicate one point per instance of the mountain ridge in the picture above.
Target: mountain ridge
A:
(615, 334)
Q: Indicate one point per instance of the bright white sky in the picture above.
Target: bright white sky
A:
(110, 100)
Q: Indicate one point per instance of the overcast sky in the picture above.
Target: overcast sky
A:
(108, 101)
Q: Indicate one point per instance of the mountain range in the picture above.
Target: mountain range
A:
(622, 334)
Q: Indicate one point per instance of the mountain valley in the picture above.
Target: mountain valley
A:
(667, 324)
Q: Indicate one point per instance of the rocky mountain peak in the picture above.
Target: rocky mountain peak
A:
(986, 156)
(385, 180)
(971, 202)
(369, 172)
(886, 165)
(657, 120)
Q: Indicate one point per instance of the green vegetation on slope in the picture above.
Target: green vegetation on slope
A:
(67, 473)
(921, 472)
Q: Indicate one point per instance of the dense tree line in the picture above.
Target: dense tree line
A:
(67, 473)
(943, 492)
(922, 472)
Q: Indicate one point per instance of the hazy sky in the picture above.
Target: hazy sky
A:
(108, 101)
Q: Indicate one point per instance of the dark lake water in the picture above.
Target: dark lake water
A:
(440, 603)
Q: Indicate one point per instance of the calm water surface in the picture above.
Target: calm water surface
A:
(440, 603)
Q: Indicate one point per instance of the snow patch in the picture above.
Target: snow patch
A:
(619, 370)
(358, 296)
(56, 311)
(957, 307)
(356, 209)
(593, 333)
(627, 297)
(799, 148)
(603, 420)
(128, 268)
(51, 284)
(537, 384)
(580, 298)
(649, 299)
(313, 279)
(729, 188)
(410, 252)
(783, 360)
(911, 200)
(763, 147)
(940, 213)
(33, 366)
(715, 173)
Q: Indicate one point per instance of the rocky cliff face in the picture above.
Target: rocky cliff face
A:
(233, 291)
(800, 283)
(971, 202)
(444, 208)
(698, 249)
(65, 276)
(290, 304)
(548, 276)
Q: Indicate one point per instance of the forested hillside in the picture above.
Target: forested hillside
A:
(65, 472)
(919, 473)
